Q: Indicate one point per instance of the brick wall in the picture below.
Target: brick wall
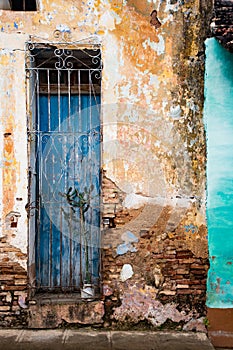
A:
(168, 272)
(13, 287)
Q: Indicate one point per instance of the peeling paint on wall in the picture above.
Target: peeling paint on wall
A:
(126, 272)
(138, 305)
(129, 238)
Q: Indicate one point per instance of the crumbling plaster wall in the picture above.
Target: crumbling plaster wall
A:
(153, 153)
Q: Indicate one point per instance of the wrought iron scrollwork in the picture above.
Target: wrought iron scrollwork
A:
(64, 59)
(64, 48)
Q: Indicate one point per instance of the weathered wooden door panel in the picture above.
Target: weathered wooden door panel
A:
(68, 159)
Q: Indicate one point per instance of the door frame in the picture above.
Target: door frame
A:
(63, 44)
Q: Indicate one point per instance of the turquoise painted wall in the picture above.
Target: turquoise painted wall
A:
(218, 114)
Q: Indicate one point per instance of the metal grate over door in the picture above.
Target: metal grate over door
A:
(64, 137)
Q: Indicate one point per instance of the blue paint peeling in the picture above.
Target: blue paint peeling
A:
(128, 238)
(218, 114)
(125, 248)
(191, 228)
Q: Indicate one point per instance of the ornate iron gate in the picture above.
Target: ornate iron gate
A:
(64, 144)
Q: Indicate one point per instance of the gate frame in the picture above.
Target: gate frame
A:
(62, 40)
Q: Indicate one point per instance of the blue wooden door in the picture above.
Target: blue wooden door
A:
(68, 191)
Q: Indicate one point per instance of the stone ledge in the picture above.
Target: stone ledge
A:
(54, 315)
(97, 340)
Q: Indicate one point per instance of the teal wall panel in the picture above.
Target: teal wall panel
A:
(218, 114)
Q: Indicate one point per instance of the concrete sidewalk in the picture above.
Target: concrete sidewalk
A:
(13, 339)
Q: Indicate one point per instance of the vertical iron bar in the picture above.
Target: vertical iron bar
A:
(69, 100)
(74, 164)
(80, 258)
(64, 151)
(74, 160)
(49, 102)
(90, 86)
(61, 248)
(71, 248)
(79, 102)
(50, 247)
(59, 99)
(37, 120)
(91, 169)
